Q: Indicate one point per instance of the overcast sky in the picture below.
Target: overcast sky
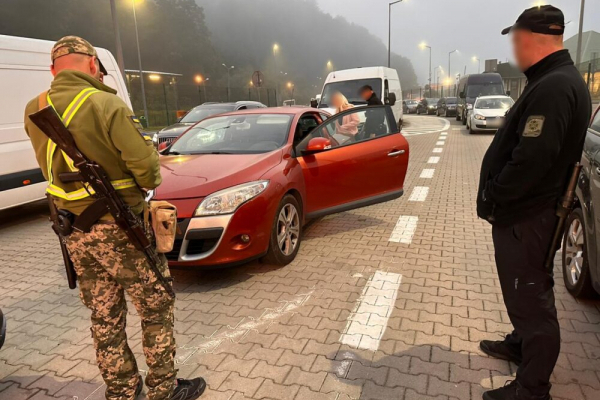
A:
(471, 26)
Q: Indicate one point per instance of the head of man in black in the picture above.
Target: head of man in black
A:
(523, 175)
(368, 94)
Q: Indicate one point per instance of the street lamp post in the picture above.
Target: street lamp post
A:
(228, 80)
(275, 52)
(450, 61)
(292, 87)
(437, 78)
(425, 46)
(118, 46)
(579, 37)
(199, 80)
(390, 32)
(137, 40)
(477, 60)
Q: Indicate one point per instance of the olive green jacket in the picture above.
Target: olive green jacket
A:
(106, 131)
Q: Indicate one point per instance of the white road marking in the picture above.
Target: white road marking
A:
(440, 143)
(438, 150)
(417, 125)
(433, 160)
(404, 230)
(419, 193)
(370, 316)
(427, 173)
(444, 134)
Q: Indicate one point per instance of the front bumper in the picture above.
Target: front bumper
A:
(217, 241)
(489, 124)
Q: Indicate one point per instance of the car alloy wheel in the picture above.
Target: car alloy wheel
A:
(575, 268)
(288, 229)
(574, 251)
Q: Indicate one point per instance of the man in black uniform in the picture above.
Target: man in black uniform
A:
(369, 95)
(523, 175)
(374, 120)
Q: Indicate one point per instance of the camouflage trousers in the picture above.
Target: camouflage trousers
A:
(107, 266)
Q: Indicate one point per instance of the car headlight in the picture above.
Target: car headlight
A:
(480, 117)
(155, 138)
(469, 106)
(228, 200)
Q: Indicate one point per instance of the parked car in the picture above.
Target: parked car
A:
(581, 241)
(427, 106)
(197, 114)
(2, 328)
(470, 87)
(245, 182)
(446, 107)
(410, 106)
(488, 113)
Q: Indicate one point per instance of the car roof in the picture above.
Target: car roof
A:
(272, 110)
(232, 104)
(496, 96)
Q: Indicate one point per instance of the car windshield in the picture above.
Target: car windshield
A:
(432, 101)
(494, 104)
(199, 113)
(484, 89)
(451, 100)
(411, 102)
(349, 89)
(235, 134)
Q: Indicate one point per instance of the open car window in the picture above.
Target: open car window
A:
(351, 127)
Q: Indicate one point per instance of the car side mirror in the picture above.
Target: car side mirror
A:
(508, 92)
(317, 145)
(391, 99)
(314, 103)
(163, 146)
(462, 95)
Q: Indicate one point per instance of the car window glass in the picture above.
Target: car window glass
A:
(596, 122)
(362, 124)
(306, 124)
(199, 113)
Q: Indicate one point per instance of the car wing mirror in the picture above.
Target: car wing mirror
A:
(391, 99)
(314, 103)
(317, 145)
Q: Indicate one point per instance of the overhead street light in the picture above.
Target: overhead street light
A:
(228, 80)
(477, 60)
(390, 32)
(425, 46)
(580, 35)
(450, 61)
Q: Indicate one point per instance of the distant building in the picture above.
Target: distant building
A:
(590, 46)
(514, 80)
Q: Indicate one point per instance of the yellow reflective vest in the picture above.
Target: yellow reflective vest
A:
(105, 130)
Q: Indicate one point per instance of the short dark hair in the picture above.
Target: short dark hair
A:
(366, 88)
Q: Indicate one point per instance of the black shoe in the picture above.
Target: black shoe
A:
(188, 389)
(513, 391)
(139, 388)
(499, 349)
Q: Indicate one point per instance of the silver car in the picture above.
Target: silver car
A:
(488, 113)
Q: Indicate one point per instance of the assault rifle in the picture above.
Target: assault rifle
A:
(564, 208)
(100, 187)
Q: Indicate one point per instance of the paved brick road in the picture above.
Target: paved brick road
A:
(387, 302)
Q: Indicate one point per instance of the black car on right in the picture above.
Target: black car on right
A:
(581, 241)
(446, 107)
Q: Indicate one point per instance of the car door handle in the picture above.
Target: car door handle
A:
(395, 153)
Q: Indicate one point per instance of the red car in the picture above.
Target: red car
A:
(245, 182)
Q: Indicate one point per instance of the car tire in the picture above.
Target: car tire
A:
(575, 266)
(289, 215)
(457, 116)
(464, 119)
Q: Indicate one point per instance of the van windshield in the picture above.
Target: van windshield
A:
(484, 89)
(350, 90)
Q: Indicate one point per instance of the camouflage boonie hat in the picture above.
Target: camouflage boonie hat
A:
(74, 44)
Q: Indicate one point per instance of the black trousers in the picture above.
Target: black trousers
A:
(528, 293)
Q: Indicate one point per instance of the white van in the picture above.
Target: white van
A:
(384, 81)
(24, 74)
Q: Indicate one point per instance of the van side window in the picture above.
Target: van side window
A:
(386, 91)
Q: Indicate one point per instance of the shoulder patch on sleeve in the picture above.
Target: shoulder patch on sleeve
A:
(138, 126)
(534, 126)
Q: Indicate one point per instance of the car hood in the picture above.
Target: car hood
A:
(195, 176)
(490, 113)
(175, 129)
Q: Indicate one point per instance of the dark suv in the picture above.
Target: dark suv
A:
(581, 242)
(197, 114)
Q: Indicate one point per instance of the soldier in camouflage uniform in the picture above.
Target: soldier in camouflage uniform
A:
(107, 264)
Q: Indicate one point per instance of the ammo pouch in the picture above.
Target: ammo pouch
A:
(163, 219)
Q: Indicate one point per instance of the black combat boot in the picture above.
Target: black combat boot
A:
(139, 388)
(513, 391)
(502, 350)
(188, 389)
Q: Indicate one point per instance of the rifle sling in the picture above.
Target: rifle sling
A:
(91, 215)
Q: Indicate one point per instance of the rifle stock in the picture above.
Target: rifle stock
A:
(101, 188)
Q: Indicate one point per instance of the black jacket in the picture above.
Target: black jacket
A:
(529, 161)
(374, 100)
(374, 119)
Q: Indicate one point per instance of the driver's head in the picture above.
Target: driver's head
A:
(537, 33)
(75, 53)
(366, 92)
